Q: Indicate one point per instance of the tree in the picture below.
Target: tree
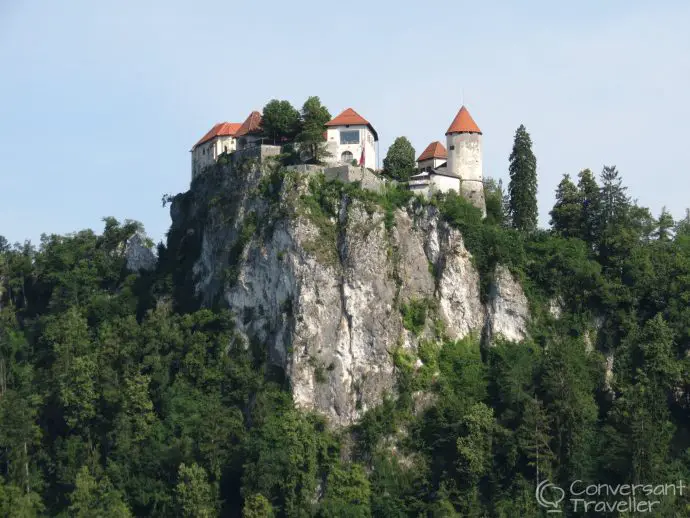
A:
(92, 497)
(400, 159)
(18, 504)
(347, 494)
(280, 120)
(474, 448)
(523, 182)
(614, 201)
(311, 137)
(682, 228)
(590, 202)
(257, 506)
(194, 493)
(493, 194)
(665, 225)
(566, 214)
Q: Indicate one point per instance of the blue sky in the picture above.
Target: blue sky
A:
(100, 102)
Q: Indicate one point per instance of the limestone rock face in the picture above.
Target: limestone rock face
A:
(324, 292)
(508, 309)
(138, 255)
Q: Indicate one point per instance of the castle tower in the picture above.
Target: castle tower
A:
(464, 139)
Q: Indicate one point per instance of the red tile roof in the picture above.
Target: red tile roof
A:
(251, 126)
(222, 129)
(433, 150)
(463, 123)
(350, 117)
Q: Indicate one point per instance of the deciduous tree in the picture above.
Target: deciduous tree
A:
(400, 159)
(280, 120)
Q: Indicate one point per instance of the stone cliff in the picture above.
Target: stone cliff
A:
(328, 277)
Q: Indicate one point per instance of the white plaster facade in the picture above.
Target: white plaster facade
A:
(465, 162)
(341, 144)
(430, 163)
(428, 182)
(207, 153)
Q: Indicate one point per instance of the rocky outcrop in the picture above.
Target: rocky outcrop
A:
(323, 289)
(507, 308)
(139, 256)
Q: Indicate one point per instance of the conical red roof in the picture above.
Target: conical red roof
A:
(252, 125)
(222, 129)
(350, 117)
(433, 150)
(463, 123)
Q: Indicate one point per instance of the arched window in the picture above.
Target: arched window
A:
(346, 157)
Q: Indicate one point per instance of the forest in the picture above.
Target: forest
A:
(121, 396)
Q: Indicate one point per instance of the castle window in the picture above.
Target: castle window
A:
(346, 157)
(225, 149)
(452, 148)
(349, 137)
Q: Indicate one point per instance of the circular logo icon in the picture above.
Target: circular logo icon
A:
(549, 496)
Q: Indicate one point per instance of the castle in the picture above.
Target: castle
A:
(351, 140)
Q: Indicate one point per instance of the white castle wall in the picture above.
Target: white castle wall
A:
(337, 149)
(207, 153)
(465, 162)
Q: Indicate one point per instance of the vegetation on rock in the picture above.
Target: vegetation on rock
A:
(120, 395)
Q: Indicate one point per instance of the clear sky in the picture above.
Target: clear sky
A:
(100, 102)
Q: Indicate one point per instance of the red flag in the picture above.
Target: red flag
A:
(361, 160)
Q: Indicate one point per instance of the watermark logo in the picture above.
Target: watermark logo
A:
(621, 498)
(550, 496)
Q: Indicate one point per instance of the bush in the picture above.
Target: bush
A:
(414, 315)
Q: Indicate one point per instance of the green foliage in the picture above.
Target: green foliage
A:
(194, 494)
(92, 497)
(665, 225)
(280, 121)
(314, 119)
(120, 396)
(567, 212)
(590, 198)
(400, 160)
(348, 494)
(523, 182)
(494, 196)
(257, 506)
(414, 315)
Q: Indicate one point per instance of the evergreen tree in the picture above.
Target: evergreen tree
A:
(194, 493)
(523, 182)
(567, 212)
(280, 120)
(400, 159)
(311, 137)
(614, 200)
(590, 203)
(682, 228)
(92, 497)
(665, 226)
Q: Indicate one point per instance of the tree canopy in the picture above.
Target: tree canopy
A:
(121, 395)
(280, 121)
(400, 160)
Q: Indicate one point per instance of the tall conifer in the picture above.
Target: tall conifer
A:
(523, 182)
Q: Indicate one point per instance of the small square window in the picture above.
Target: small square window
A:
(452, 148)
